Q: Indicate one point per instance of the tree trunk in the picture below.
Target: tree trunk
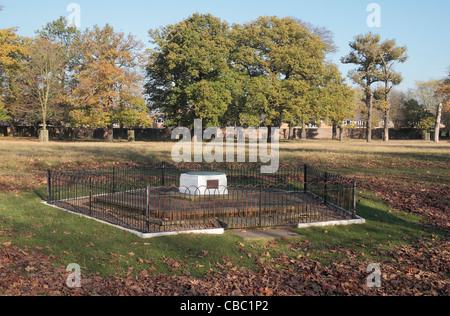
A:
(121, 133)
(341, 134)
(62, 132)
(109, 134)
(269, 134)
(12, 126)
(334, 132)
(44, 133)
(44, 121)
(387, 114)
(291, 132)
(386, 124)
(369, 103)
(437, 126)
(303, 134)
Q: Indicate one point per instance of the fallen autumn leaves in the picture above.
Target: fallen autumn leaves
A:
(421, 269)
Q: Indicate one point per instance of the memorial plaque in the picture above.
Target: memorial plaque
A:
(212, 184)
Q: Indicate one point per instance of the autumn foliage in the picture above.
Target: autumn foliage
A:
(107, 90)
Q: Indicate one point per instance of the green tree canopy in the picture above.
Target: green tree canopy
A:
(416, 115)
(265, 72)
(283, 64)
(189, 73)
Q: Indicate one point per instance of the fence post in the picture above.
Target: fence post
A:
(147, 209)
(305, 178)
(354, 198)
(260, 205)
(90, 196)
(114, 180)
(325, 189)
(49, 186)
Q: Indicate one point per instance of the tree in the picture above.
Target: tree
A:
(444, 92)
(189, 74)
(396, 111)
(61, 33)
(133, 117)
(390, 55)
(366, 54)
(284, 70)
(108, 81)
(262, 73)
(337, 101)
(65, 35)
(416, 115)
(427, 94)
(13, 56)
(41, 76)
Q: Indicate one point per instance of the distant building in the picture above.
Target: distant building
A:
(353, 128)
(159, 120)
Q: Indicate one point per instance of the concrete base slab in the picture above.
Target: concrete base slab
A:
(270, 234)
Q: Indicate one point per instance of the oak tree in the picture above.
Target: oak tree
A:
(108, 80)
(189, 73)
(285, 72)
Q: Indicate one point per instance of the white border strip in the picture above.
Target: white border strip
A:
(357, 221)
(215, 231)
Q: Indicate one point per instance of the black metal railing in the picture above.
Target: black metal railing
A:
(149, 199)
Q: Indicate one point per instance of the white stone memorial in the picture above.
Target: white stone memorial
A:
(204, 183)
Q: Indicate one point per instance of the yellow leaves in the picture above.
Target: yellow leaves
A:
(108, 80)
(13, 49)
(3, 113)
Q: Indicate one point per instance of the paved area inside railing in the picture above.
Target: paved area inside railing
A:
(265, 234)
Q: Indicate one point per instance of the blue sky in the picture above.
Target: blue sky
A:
(423, 26)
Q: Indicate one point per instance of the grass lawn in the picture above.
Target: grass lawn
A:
(98, 248)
